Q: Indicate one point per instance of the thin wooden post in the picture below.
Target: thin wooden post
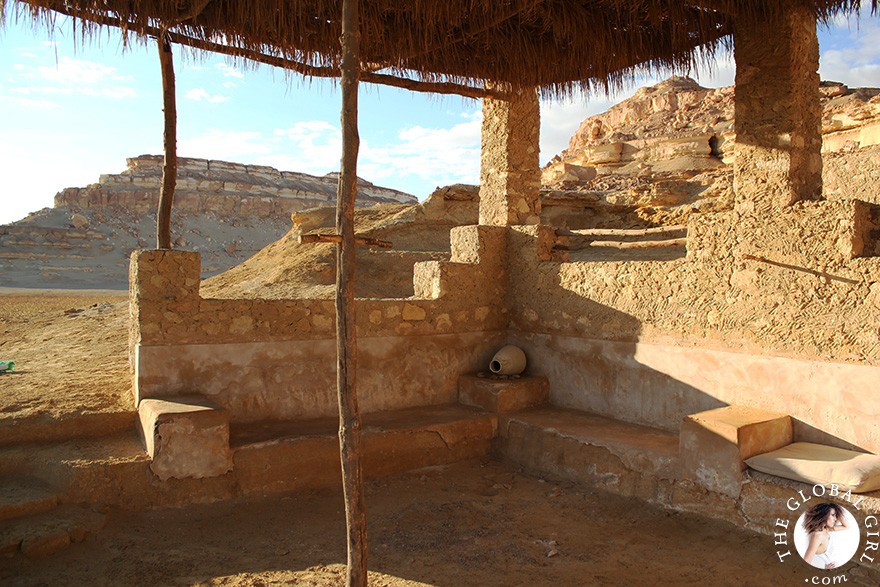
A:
(169, 168)
(346, 341)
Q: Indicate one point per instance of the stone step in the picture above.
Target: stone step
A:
(24, 496)
(42, 428)
(80, 469)
(281, 456)
(615, 456)
(49, 532)
(267, 457)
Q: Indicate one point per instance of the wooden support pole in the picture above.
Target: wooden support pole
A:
(169, 167)
(363, 241)
(346, 341)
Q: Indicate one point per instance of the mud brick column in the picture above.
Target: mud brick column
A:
(510, 176)
(778, 114)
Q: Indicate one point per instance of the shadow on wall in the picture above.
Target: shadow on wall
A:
(588, 352)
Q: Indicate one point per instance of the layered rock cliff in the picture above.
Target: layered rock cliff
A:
(227, 211)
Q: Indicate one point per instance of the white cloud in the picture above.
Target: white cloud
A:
(229, 71)
(31, 104)
(856, 60)
(439, 155)
(202, 95)
(76, 71)
(74, 76)
(310, 146)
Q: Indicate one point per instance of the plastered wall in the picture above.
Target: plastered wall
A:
(275, 359)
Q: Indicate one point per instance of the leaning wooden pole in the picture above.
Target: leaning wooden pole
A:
(169, 168)
(346, 342)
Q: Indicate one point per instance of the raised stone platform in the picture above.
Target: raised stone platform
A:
(608, 454)
(185, 437)
(500, 395)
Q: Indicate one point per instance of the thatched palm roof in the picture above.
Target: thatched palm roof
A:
(553, 44)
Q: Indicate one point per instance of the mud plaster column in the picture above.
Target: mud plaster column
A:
(510, 176)
(778, 114)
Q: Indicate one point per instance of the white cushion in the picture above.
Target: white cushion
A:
(818, 464)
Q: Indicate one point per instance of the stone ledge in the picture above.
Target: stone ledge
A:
(615, 456)
(185, 436)
(715, 443)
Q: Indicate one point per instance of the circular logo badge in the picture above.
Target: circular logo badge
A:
(827, 535)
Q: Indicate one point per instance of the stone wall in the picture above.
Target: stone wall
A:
(274, 359)
(782, 316)
(852, 175)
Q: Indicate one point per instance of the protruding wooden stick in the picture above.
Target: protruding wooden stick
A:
(672, 242)
(588, 232)
(169, 167)
(346, 341)
(820, 274)
(363, 241)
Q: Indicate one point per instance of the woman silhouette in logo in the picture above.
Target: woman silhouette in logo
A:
(821, 521)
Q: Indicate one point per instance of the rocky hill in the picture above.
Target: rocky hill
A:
(227, 211)
(665, 153)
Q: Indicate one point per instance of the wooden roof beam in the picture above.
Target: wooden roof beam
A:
(447, 88)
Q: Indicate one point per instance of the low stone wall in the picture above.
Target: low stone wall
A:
(659, 384)
(292, 380)
(264, 359)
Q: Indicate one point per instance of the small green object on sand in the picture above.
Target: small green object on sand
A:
(7, 366)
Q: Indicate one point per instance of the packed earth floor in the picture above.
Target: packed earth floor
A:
(472, 523)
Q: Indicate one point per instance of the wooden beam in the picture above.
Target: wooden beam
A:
(346, 320)
(673, 242)
(306, 239)
(622, 232)
(169, 166)
(447, 88)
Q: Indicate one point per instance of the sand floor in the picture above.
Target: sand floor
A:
(473, 523)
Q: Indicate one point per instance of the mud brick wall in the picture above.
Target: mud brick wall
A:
(266, 359)
(777, 111)
(652, 341)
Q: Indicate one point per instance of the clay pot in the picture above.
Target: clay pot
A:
(510, 360)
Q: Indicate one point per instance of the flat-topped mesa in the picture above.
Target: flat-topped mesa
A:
(221, 187)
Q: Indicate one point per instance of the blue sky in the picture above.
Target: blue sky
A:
(72, 111)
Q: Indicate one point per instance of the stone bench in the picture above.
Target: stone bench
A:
(714, 444)
(185, 436)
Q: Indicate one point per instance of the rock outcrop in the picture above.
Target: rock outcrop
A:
(226, 211)
(666, 152)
